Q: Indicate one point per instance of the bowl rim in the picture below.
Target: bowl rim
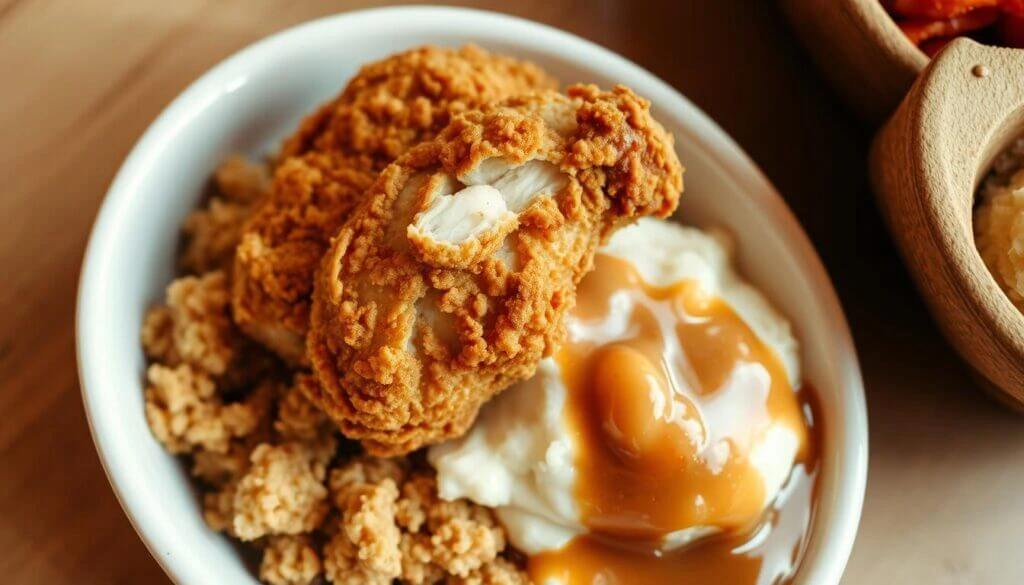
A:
(834, 552)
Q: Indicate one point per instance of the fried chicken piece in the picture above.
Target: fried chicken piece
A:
(451, 282)
(390, 106)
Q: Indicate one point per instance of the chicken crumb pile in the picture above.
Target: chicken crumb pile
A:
(272, 469)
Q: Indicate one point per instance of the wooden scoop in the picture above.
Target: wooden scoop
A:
(860, 50)
(926, 164)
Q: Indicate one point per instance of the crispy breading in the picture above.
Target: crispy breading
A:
(427, 304)
(389, 106)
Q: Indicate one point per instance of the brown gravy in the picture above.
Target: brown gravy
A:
(665, 394)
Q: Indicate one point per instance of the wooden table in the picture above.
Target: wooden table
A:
(82, 79)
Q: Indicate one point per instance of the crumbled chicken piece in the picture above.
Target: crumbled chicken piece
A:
(497, 572)
(290, 560)
(219, 508)
(218, 469)
(342, 565)
(297, 418)
(283, 491)
(463, 537)
(416, 325)
(387, 108)
(368, 521)
(239, 180)
(195, 326)
(394, 526)
(418, 566)
(212, 233)
(184, 411)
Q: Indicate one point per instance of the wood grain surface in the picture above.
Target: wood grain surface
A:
(965, 108)
(81, 79)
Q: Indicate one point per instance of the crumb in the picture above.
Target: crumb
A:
(393, 525)
(185, 413)
(212, 233)
(290, 560)
(283, 491)
(417, 560)
(239, 180)
(297, 418)
(342, 566)
(464, 537)
(368, 522)
(498, 572)
(219, 508)
(217, 469)
(365, 470)
(195, 326)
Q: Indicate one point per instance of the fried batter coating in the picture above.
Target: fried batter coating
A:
(390, 106)
(451, 282)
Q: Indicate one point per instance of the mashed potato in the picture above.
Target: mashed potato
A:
(519, 457)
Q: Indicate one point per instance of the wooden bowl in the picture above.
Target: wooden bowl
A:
(926, 164)
(860, 50)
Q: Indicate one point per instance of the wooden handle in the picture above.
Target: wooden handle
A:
(926, 164)
(860, 50)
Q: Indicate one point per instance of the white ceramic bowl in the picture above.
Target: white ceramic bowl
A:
(249, 103)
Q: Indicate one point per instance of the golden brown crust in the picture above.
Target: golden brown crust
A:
(394, 104)
(390, 106)
(406, 347)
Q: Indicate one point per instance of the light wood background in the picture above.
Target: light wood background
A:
(81, 79)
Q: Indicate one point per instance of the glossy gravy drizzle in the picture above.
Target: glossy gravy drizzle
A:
(667, 388)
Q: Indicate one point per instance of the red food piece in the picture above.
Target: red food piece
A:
(936, 9)
(1010, 30)
(919, 31)
(1013, 7)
